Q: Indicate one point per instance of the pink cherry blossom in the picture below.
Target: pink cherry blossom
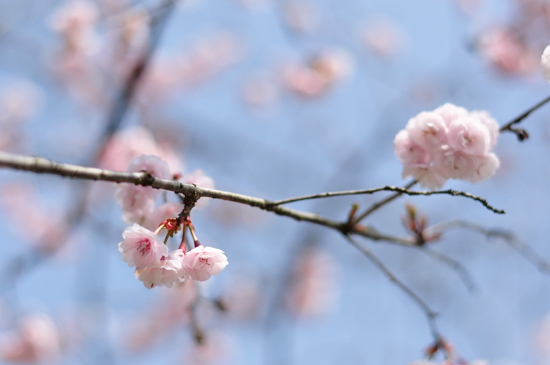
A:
(467, 134)
(152, 164)
(165, 272)
(450, 112)
(448, 143)
(141, 247)
(36, 341)
(135, 202)
(427, 130)
(545, 63)
(202, 262)
(199, 178)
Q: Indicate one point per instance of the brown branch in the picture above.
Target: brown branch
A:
(521, 133)
(383, 202)
(390, 188)
(45, 166)
(511, 239)
(430, 314)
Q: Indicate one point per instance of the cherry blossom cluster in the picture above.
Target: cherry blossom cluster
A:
(138, 203)
(155, 266)
(448, 143)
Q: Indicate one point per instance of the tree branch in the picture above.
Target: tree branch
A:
(430, 314)
(389, 188)
(521, 247)
(520, 133)
(45, 166)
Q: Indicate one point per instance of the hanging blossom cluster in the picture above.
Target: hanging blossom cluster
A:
(138, 203)
(144, 249)
(448, 143)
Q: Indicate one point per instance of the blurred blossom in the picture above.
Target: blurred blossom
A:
(323, 70)
(74, 22)
(260, 90)
(507, 52)
(312, 287)
(158, 322)
(30, 218)
(128, 143)
(135, 29)
(18, 102)
(215, 349)
(469, 6)
(542, 340)
(545, 63)
(384, 36)
(301, 16)
(242, 298)
(36, 341)
(186, 70)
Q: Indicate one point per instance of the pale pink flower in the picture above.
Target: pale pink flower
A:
(155, 166)
(505, 50)
(75, 21)
(165, 272)
(427, 130)
(152, 164)
(545, 63)
(450, 112)
(136, 203)
(202, 262)
(162, 213)
(129, 143)
(36, 341)
(384, 36)
(199, 178)
(467, 134)
(427, 175)
(492, 126)
(452, 163)
(142, 248)
(487, 166)
(408, 152)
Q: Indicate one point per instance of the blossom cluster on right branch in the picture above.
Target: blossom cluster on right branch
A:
(448, 143)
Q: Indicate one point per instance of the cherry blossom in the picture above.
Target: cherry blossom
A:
(545, 63)
(37, 340)
(162, 213)
(448, 143)
(165, 272)
(135, 202)
(142, 248)
(202, 262)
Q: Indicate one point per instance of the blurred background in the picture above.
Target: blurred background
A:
(273, 99)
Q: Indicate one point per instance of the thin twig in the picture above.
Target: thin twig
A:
(383, 202)
(521, 247)
(520, 133)
(430, 314)
(389, 188)
(462, 272)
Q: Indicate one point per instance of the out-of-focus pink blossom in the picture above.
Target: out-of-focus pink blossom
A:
(18, 102)
(132, 142)
(135, 29)
(165, 272)
(202, 262)
(37, 341)
(384, 36)
(545, 63)
(448, 143)
(26, 209)
(305, 81)
(506, 51)
(142, 248)
(312, 288)
(162, 213)
(333, 63)
(75, 21)
(260, 90)
(152, 164)
(136, 202)
(199, 178)
(301, 16)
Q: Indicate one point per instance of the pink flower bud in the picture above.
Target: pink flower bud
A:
(202, 262)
